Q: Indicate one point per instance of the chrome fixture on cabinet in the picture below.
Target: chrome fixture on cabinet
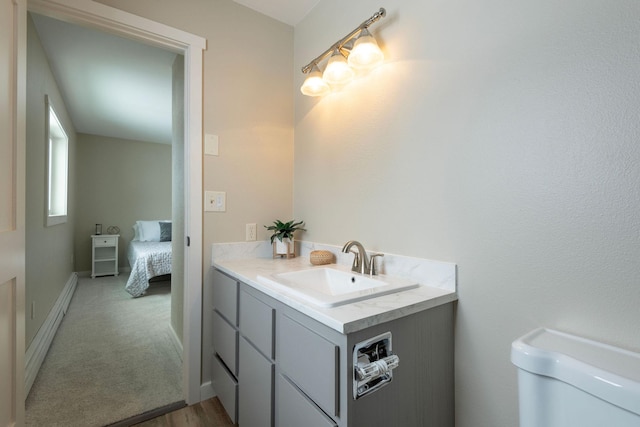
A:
(373, 365)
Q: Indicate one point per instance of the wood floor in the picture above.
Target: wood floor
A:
(208, 413)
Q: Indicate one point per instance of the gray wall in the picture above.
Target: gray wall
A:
(49, 250)
(502, 136)
(119, 182)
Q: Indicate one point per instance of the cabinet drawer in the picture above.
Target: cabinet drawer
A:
(225, 296)
(295, 409)
(255, 395)
(225, 342)
(256, 323)
(226, 388)
(105, 241)
(311, 362)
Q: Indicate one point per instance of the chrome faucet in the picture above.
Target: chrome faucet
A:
(361, 264)
(360, 261)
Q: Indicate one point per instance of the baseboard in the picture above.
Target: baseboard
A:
(123, 270)
(176, 341)
(207, 391)
(38, 348)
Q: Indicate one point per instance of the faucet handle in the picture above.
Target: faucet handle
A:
(356, 260)
(372, 264)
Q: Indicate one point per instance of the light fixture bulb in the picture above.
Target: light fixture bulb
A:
(365, 54)
(338, 72)
(314, 85)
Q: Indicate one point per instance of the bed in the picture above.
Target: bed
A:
(147, 258)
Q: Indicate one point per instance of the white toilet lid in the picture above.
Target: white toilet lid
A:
(611, 373)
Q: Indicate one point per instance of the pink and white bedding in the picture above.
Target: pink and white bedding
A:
(147, 260)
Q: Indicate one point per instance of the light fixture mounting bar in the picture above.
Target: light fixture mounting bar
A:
(338, 45)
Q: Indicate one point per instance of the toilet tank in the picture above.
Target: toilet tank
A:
(566, 381)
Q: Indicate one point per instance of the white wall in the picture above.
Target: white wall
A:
(499, 135)
(49, 250)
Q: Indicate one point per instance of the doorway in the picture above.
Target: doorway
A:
(104, 18)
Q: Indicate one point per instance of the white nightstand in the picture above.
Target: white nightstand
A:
(104, 259)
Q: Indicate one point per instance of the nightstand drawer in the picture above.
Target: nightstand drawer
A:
(105, 241)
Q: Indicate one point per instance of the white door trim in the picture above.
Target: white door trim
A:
(13, 93)
(105, 18)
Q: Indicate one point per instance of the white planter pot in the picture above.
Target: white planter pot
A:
(284, 247)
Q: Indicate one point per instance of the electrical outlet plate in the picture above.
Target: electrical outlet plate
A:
(215, 201)
(251, 232)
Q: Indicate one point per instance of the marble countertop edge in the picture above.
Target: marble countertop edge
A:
(346, 318)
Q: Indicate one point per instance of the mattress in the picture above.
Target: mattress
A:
(147, 260)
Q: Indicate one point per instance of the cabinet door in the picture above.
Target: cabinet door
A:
(255, 383)
(225, 342)
(295, 409)
(225, 296)
(226, 388)
(256, 323)
(311, 362)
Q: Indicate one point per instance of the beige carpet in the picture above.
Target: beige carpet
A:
(113, 357)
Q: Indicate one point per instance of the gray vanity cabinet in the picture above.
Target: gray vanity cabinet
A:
(294, 371)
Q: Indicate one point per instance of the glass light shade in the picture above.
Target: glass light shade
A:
(338, 72)
(365, 54)
(314, 85)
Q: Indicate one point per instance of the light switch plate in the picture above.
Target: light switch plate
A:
(215, 201)
(211, 144)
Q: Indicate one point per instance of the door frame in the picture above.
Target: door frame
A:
(12, 215)
(105, 18)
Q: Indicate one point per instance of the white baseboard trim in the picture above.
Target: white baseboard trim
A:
(207, 391)
(123, 270)
(176, 341)
(38, 348)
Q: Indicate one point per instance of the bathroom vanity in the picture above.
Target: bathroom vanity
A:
(280, 361)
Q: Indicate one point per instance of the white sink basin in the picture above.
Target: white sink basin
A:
(331, 286)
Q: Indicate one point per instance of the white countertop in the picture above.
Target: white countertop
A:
(346, 318)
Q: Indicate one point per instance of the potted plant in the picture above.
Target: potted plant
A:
(282, 237)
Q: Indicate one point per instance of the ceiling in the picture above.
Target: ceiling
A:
(288, 11)
(111, 86)
(116, 87)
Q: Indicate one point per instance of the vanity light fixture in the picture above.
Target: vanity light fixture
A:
(358, 50)
(314, 85)
(338, 72)
(365, 53)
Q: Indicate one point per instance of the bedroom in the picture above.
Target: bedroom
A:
(112, 181)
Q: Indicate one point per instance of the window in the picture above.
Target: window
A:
(57, 167)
